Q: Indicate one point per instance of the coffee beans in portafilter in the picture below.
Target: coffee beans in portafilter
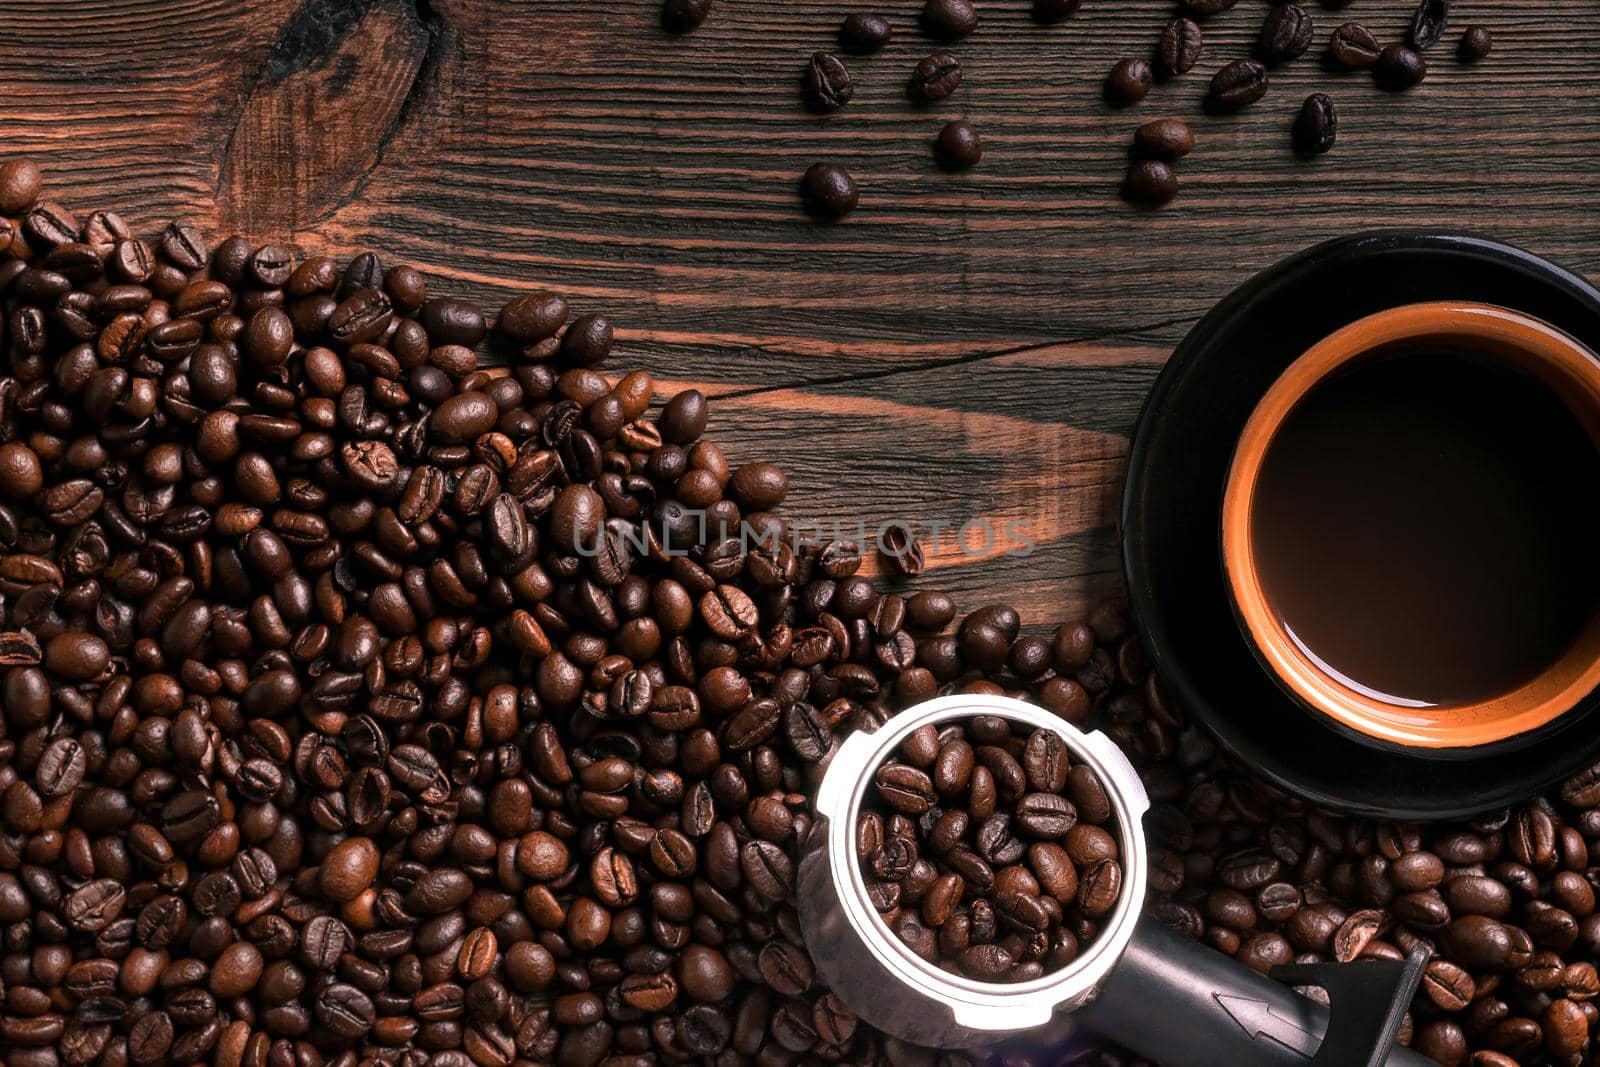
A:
(988, 851)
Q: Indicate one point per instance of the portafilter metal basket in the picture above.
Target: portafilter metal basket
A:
(1163, 996)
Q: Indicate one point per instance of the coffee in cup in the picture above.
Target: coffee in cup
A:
(1409, 520)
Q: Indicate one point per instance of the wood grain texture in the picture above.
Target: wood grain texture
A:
(964, 346)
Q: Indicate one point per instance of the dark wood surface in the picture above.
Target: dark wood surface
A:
(964, 346)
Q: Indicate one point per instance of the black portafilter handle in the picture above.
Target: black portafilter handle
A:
(1182, 1004)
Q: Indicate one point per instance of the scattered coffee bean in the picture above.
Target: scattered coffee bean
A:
(1353, 47)
(1317, 125)
(958, 146)
(1129, 81)
(1475, 44)
(1163, 139)
(1238, 84)
(935, 77)
(829, 190)
(681, 16)
(1180, 47)
(828, 85)
(1285, 34)
(1428, 23)
(1399, 68)
(948, 20)
(864, 34)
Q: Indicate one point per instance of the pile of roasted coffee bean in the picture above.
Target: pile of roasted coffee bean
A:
(361, 704)
(988, 851)
(1287, 32)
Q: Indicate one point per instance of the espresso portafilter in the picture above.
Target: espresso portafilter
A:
(1160, 995)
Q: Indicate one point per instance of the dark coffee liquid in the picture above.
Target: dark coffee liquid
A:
(1425, 526)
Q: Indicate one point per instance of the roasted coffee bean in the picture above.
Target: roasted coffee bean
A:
(1399, 68)
(948, 20)
(1238, 84)
(1317, 125)
(864, 34)
(1353, 47)
(1449, 986)
(1428, 23)
(1150, 182)
(935, 77)
(1475, 44)
(1479, 941)
(682, 16)
(1285, 34)
(1129, 81)
(828, 84)
(1180, 47)
(905, 789)
(958, 147)
(829, 190)
(1165, 139)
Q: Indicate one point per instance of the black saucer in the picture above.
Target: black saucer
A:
(1171, 520)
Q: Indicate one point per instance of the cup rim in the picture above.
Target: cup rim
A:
(1562, 362)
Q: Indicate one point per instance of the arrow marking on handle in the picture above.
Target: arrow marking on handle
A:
(1256, 1018)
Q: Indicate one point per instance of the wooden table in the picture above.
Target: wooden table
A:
(965, 347)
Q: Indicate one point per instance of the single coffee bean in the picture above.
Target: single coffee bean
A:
(1317, 125)
(348, 869)
(1353, 47)
(935, 77)
(682, 16)
(1180, 47)
(1475, 44)
(1449, 986)
(1239, 84)
(1164, 139)
(958, 146)
(1129, 81)
(1399, 68)
(864, 34)
(948, 20)
(827, 83)
(1285, 34)
(1150, 182)
(1428, 23)
(20, 184)
(829, 190)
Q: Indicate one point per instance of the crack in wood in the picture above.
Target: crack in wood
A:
(879, 373)
(425, 80)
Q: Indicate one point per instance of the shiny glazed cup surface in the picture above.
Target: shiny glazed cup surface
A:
(1565, 366)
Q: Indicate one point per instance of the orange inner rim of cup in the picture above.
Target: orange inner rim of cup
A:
(1551, 356)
